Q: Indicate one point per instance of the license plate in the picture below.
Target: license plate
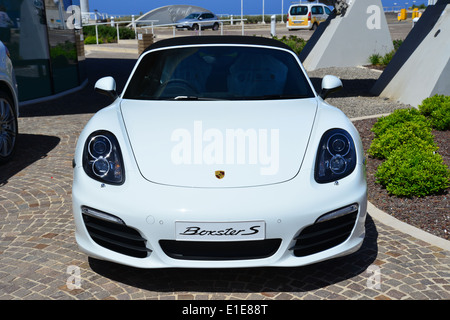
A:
(220, 231)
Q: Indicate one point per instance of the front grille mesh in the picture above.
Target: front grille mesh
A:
(116, 237)
(324, 235)
(233, 250)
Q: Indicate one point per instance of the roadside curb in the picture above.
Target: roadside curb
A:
(110, 49)
(390, 221)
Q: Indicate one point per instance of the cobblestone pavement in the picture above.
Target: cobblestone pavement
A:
(39, 258)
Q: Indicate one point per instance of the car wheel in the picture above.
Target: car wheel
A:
(195, 27)
(8, 127)
(215, 27)
(314, 27)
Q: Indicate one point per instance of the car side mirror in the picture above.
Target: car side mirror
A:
(330, 84)
(106, 86)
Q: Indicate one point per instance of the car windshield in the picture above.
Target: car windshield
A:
(193, 16)
(218, 72)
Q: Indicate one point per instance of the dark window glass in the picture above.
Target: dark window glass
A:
(299, 10)
(220, 72)
(317, 10)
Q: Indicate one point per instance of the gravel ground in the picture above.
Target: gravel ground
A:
(355, 99)
(432, 213)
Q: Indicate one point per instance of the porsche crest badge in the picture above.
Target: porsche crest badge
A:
(220, 174)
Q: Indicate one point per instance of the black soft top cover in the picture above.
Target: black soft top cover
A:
(194, 40)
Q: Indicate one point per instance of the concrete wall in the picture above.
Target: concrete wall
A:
(349, 40)
(421, 67)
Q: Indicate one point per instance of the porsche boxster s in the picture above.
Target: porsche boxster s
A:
(219, 153)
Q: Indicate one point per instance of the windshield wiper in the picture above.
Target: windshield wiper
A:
(185, 98)
(194, 98)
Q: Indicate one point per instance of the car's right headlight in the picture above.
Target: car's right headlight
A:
(336, 156)
(102, 158)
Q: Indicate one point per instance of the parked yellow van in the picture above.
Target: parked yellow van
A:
(306, 16)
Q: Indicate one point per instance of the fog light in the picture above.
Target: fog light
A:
(338, 213)
(101, 215)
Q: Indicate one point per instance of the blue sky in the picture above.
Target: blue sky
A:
(128, 7)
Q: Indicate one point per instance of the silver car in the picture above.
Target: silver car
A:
(197, 20)
(9, 106)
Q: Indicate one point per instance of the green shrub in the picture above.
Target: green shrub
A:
(440, 118)
(378, 60)
(107, 33)
(66, 51)
(397, 119)
(295, 43)
(92, 40)
(432, 103)
(404, 138)
(412, 170)
(397, 43)
(409, 133)
(387, 58)
(437, 109)
(375, 59)
(126, 33)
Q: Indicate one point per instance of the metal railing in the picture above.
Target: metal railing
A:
(220, 22)
(113, 23)
(153, 25)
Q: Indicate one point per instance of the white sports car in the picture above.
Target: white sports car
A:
(219, 153)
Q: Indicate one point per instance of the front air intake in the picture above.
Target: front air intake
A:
(214, 251)
(324, 235)
(116, 237)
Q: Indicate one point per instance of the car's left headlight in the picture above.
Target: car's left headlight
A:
(102, 158)
(336, 156)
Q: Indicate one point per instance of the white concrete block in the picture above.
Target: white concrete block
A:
(349, 40)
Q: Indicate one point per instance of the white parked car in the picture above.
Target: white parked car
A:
(219, 153)
(197, 20)
(9, 106)
(306, 16)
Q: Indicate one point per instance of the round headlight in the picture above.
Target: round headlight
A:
(338, 164)
(100, 167)
(336, 156)
(99, 146)
(338, 144)
(102, 158)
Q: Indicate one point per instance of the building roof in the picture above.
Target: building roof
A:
(170, 14)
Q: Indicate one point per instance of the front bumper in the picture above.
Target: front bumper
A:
(289, 210)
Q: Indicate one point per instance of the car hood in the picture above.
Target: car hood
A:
(219, 143)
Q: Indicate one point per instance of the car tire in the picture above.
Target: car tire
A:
(8, 127)
(195, 27)
(314, 27)
(215, 27)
